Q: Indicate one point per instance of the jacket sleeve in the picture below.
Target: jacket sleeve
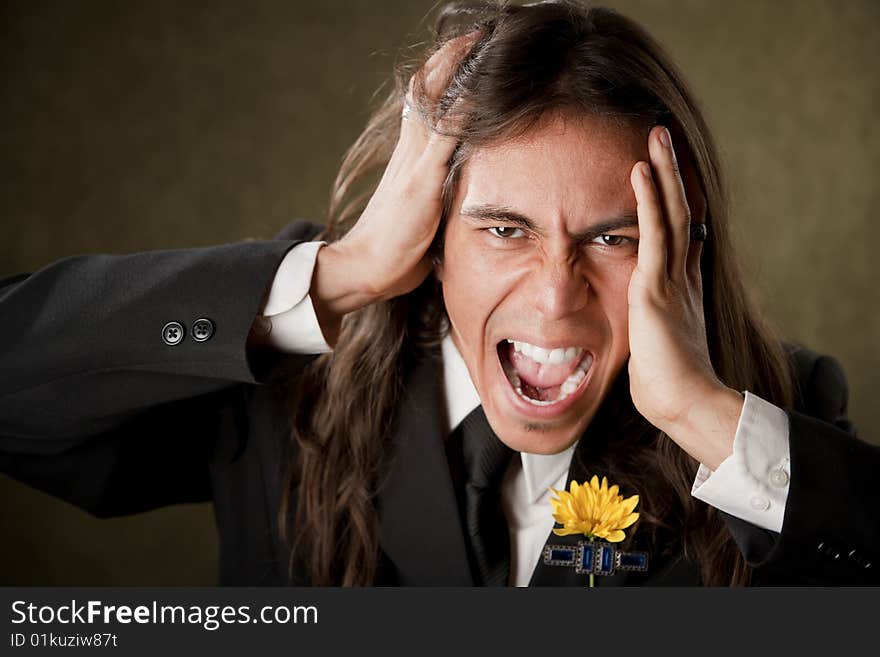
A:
(831, 529)
(95, 407)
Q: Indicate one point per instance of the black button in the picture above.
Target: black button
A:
(859, 559)
(172, 333)
(829, 550)
(203, 329)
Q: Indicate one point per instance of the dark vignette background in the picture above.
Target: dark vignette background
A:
(133, 126)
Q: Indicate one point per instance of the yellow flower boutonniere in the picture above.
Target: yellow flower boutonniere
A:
(594, 510)
(601, 514)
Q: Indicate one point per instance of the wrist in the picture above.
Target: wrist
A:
(707, 429)
(337, 288)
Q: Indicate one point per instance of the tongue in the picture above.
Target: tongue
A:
(540, 375)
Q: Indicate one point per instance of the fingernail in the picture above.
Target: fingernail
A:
(646, 170)
(665, 139)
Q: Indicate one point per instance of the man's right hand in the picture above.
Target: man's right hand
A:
(385, 254)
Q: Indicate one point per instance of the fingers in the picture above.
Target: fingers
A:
(672, 199)
(414, 134)
(668, 212)
(434, 145)
(418, 143)
(652, 232)
(433, 78)
(440, 67)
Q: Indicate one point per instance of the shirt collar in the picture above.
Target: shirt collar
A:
(540, 470)
(461, 396)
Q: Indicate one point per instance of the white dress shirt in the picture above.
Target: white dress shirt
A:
(752, 483)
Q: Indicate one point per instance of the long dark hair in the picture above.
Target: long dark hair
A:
(528, 61)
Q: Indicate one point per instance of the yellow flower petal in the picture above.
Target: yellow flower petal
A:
(630, 503)
(626, 522)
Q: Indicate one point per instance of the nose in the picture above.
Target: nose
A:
(559, 289)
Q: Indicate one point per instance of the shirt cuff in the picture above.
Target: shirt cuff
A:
(752, 483)
(294, 324)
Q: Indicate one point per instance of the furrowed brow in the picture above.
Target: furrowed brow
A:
(499, 213)
(506, 215)
(628, 220)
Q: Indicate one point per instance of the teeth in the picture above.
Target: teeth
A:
(547, 356)
(584, 365)
(556, 356)
(540, 355)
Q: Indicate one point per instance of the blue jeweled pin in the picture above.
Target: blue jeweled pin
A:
(595, 558)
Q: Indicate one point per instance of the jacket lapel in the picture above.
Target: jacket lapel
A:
(421, 532)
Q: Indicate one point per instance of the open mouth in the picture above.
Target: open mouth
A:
(541, 376)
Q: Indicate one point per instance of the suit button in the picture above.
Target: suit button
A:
(172, 333)
(203, 329)
(829, 550)
(859, 559)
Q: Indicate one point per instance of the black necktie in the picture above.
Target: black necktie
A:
(484, 460)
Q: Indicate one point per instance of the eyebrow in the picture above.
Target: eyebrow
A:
(489, 213)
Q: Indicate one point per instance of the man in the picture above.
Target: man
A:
(556, 240)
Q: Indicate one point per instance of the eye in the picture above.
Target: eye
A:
(611, 240)
(506, 232)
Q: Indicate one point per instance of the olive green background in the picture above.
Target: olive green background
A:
(131, 126)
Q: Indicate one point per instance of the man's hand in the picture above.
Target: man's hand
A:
(384, 254)
(672, 381)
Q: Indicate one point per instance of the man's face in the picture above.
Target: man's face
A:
(538, 253)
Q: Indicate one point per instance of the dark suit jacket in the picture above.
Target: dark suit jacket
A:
(97, 410)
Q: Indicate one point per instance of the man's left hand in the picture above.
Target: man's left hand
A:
(672, 381)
